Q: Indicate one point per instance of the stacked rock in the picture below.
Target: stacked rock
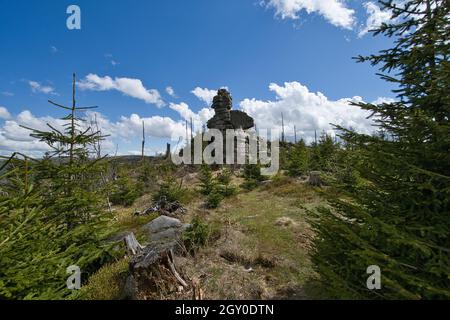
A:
(222, 104)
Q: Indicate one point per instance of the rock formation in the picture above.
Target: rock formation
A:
(224, 117)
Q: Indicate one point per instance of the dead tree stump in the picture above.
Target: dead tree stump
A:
(314, 179)
(132, 245)
(152, 268)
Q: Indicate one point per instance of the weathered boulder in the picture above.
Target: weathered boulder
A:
(241, 120)
(164, 228)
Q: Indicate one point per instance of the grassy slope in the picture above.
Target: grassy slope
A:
(258, 248)
(265, 230)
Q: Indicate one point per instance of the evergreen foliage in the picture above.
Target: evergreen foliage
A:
(399, 218)
(170, 189)
(252, 175)
(298, 159)
(51, 215)
(206, 180)
(125, 191)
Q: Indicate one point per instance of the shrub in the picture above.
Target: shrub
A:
(214, 198)
(253, 172)
(196, 236)
(249, 184)
(206, 180)
(125, 191)
(224, 183)
(147, 174)
(224, 176)
(298, 159)
(171, 190)
(252, 176)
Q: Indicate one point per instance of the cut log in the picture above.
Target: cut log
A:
(132, 245)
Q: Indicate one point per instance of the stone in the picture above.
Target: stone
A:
(162, 223)
(225, 118)
(163, 229)
(241, 120)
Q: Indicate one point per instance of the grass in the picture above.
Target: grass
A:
(249, 254)
(269, 239)
(107, 283)
(251, 237)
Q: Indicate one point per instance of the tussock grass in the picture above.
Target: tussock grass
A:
(107, 283)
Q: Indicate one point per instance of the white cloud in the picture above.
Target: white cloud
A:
(204, 94)
(4, 114)
(130, 87)
(170, 91)
(306, 110)
(156, 126)
(7, 94)
(110, 57)
(37, 87)
(334, 11)
(54, 49)
(126, 130)
(376, 17)
(198, 119)
(381, 100)
(13, 137)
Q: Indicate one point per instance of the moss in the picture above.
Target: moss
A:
(107, 283)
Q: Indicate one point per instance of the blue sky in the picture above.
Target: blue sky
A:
(245, 45)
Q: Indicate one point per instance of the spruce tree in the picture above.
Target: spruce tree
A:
(298, 159)
(52, 215)
(399, 219)
(73, 174)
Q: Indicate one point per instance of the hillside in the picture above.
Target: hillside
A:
(257, 247)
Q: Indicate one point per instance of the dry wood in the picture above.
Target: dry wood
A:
(133, 246)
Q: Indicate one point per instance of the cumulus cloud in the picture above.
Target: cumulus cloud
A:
(4, 114)
(156, 126)
(128, 86)
(308, 111)
(376, 17)
(204, 94)
(127, 129)
(198, 119)
(334, 11)
(13, 137)
(170, 91)
(36, 87)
